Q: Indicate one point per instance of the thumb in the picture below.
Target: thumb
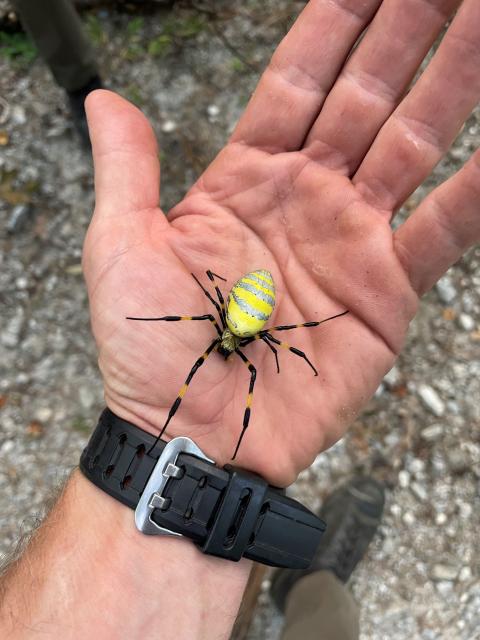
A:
(125, 156)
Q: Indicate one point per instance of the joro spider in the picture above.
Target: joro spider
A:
(249, 305)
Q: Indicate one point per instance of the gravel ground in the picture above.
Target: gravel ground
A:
(191, 74)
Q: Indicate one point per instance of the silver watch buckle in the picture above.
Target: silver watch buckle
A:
(152, 496)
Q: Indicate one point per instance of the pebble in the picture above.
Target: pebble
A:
(431, 433)
(444, 572)
(465, 574)
(21, 283)
(440, 519)
(10, 336)
(396, 510)
(408, 518)
(444, 588)
(445, 289)
(392, 378)
(458, 461)
(466, 322)
(213, 111)
(43, 414)
(403, 478)
(419, 491)
(416, 466)
(86, 397)
(168, 126)
(7, 446)
(19, 217)
(18, 115)
(431, 400)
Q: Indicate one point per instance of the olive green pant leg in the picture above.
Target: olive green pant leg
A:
(57, 32)
(320, 607)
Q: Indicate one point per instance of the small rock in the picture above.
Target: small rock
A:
(466, 322)
(419, 491)
(416, 466)
(465, 510)
(408, 518)
(18, 115)
(444, 572)
(403, 478)
(431, 400)
(441, 519)
(213, 111)
(21, 283)
(392, 378)
(458, 461)
(380, 390)
(445, 289)
(431, 433)
(444, 588)
(10, 336)
(19, 217)
(86, 397)
(396, 510)
(43, 414)
(465, 574)
(168, 126)
(7, 446)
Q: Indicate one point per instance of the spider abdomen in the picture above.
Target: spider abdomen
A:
(250, 303)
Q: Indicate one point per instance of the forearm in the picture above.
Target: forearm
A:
(88, 570)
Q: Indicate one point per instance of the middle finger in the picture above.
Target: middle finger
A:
(374, 79)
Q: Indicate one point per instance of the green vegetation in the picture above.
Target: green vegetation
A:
(160, 46)
(81, 425)
(95, 30)
(17, 48)
(237, 65)
(134, 94)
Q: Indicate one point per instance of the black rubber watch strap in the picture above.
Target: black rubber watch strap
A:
(227, 512)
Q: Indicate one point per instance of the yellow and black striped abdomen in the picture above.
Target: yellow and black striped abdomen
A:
(250, 303)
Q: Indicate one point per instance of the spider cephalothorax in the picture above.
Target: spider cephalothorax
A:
(250, 304)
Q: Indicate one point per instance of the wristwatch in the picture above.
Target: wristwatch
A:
(175, 489)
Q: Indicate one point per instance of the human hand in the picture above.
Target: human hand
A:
(306, 188)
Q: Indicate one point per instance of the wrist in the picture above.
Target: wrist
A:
(150, 573)
(89, 550)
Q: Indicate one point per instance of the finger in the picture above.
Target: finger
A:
(302, 70)
(424, 125)
(442, 228)
(374, 79)
(125, 155)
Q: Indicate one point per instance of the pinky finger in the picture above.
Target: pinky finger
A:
(442, 228)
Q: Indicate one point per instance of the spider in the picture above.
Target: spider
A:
(249, 305)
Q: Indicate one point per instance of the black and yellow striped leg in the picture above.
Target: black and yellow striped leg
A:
(246, 416)
(209, 296)
(211, 277)
(287, 327)
(184, 388)
(207, 316)
(246, 341)
(272, 348)
(297, 352)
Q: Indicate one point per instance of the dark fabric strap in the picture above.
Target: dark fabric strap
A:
(227, 512)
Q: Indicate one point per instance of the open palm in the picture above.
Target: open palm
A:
(306, 189)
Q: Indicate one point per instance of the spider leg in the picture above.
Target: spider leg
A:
(272, 348)
(246, 416)
(209, 296)
(207, 316)
(246, 341)
(287, 327)
(211, 277)
(294, 350)
(183, 390)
